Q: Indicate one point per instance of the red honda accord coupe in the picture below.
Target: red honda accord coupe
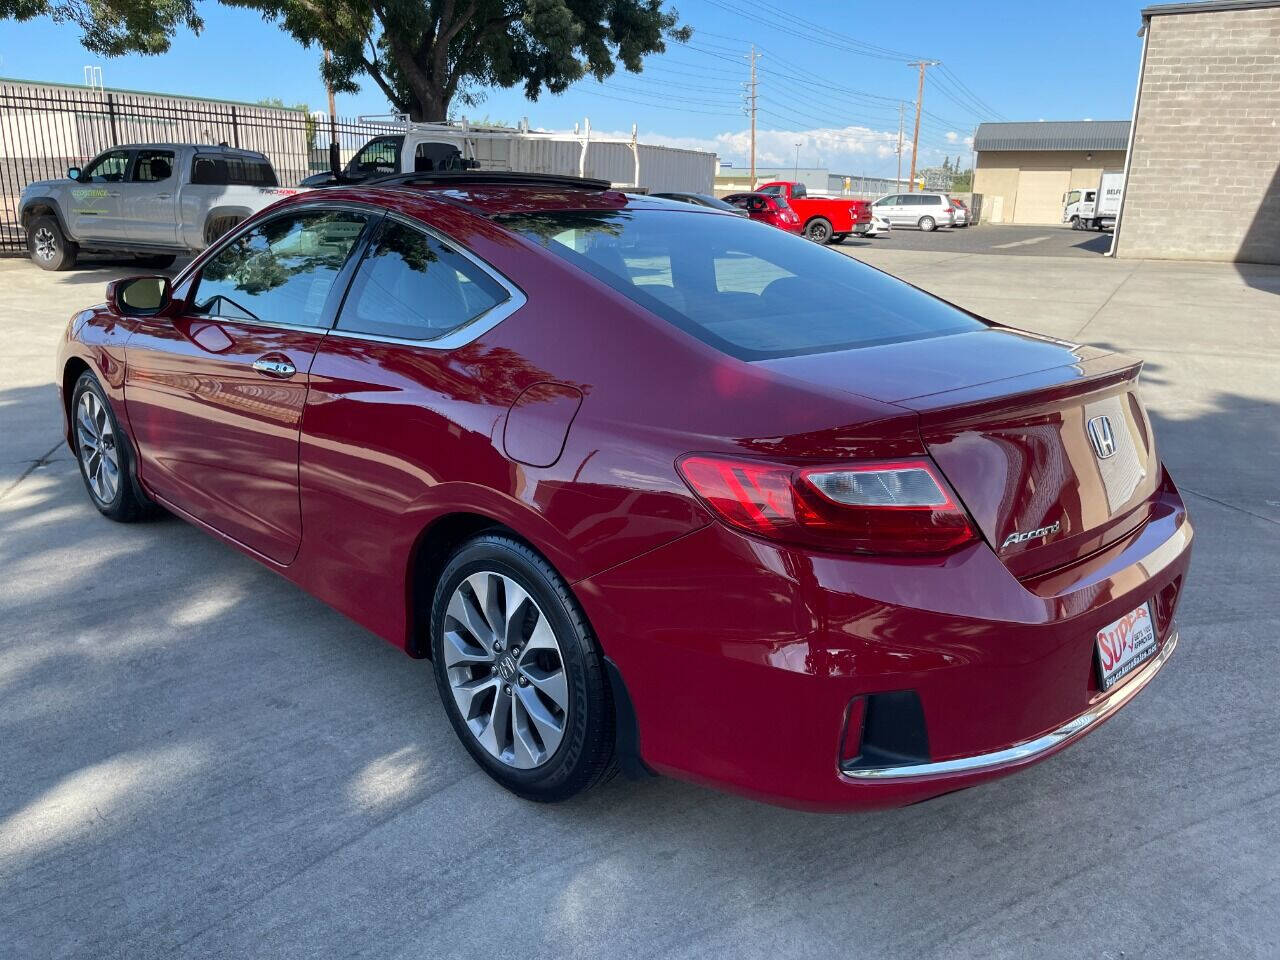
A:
(655, 487)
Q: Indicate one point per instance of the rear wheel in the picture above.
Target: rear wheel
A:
(819, 230)
(103, 453)
(48, 247)
(519, 671)
(928, 224)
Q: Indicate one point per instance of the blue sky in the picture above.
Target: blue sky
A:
(830, 75)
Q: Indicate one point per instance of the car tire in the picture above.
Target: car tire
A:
(105, 456)
(1075, 224)
(526, 689)
(48, 246)
(928, 224)
(819, 230)
(159, 261)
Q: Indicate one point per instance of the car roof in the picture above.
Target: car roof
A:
(495, 200)
(200, 147)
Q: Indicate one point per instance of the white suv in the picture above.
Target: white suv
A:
(928, 211)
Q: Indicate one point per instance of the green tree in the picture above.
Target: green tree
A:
(424, 54)
(113, 27)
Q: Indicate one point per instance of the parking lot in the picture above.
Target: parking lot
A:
(1006, 240)
(199, 760)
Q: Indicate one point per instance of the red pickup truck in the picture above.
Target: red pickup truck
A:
(825, 219)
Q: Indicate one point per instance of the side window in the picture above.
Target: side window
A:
(412, 286)
(282, 270)
(770, 191)
(153, 166)
(108, 168)
(798, 192)
(757, 204)
(379, 155)
(430, 156)
(1073, 197)
(1090, 195)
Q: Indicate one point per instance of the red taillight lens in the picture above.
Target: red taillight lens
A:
(903, 507)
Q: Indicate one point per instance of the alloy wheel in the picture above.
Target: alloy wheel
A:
(96, 441)
(505, 670)
(46, 244)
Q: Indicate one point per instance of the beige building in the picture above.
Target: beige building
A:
(1024, 169)
(1204, 170)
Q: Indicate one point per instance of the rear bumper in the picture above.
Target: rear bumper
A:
(1031, 750)
(743, 658)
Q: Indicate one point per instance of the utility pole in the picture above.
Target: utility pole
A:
(915, 137)
(335, 151)
(795, 174)
(751, 109)
(901, 111)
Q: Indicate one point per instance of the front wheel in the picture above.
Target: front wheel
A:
(1075, 223)
(48, 247)
(818, 230)
(103, 453)
(519, 671)
(928, 224)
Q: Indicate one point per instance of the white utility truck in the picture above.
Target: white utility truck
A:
(408, 147)
(1097, 207)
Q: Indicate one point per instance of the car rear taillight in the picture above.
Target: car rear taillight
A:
(899, 507)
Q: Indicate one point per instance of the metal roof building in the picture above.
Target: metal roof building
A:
(1025, 169)
(1056, 135)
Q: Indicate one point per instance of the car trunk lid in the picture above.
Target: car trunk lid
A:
(1046, 443)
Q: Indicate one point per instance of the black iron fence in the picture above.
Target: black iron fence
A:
(44, 129)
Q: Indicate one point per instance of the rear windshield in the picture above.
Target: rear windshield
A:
(748, 289)
(232, 171)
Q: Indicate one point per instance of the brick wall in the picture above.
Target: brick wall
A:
(1204, 183)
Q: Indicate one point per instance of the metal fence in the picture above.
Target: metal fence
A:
(45, 128)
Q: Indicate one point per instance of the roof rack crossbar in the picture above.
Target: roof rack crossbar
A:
(498, 177)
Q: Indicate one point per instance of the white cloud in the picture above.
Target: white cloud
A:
(952, 136)
(853, 149)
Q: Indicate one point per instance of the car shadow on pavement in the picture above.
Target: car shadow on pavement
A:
(200, 760)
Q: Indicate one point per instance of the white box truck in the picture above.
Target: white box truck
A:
(1095, 208)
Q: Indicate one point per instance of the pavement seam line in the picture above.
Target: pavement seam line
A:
(1230, 506)
(35, 465)
(1110, 296)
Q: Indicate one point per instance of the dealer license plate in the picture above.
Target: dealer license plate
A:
(1125, 645)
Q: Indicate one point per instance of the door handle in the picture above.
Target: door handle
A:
(164, 196)
(280, 369)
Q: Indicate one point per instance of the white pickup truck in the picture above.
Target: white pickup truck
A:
(155, 201)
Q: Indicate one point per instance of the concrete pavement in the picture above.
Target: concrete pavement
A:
(198, 760)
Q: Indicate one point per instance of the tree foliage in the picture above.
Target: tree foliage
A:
(113, 27)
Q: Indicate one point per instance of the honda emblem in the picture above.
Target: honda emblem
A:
(1100, 435)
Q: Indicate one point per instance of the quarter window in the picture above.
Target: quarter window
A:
(414, 287)
(282, 271)
(108, 168)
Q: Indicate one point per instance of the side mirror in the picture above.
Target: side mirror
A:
(139, 296)
(73, 173)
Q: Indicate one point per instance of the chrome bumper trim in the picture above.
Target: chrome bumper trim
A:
(1032, 748)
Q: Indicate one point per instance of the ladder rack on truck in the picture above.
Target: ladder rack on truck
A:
(627, 163)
